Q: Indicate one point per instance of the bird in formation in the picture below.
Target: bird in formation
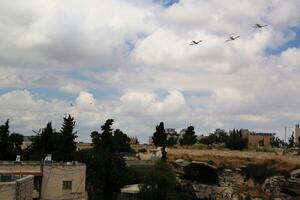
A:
(231, 38)
(196, 42)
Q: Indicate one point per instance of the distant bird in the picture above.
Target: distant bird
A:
(195, 42)
(259, 26)
(232, 38)
(71, 105)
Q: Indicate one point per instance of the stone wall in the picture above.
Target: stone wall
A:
(256, 139)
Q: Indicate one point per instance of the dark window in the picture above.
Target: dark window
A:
(67, 185)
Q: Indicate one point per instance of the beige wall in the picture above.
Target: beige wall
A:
(26, 168)
(83, 146)
(20, 189)
(255, 139)
(7, 190)
(53, 177)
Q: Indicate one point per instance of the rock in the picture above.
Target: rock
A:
(274, 184)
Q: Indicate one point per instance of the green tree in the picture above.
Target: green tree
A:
(106, 138)
(172, 141)
(121, 141)
(67, 144)
(45, 142)
(4, 141)
(10, 144)
(160, 139)
(159, 183)
(235, 141)
(106, 170)
(16, 141)
(189, 137)
(159, 136)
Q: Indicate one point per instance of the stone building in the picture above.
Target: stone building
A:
(51, 180)
(16, 188)
(83, 146)
(257, 139)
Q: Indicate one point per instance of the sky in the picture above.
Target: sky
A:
(130, 60)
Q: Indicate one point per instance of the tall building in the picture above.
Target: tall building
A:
(297, 134)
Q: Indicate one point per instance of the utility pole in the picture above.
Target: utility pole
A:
(284, 134)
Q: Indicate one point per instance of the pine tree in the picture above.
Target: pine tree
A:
(67, 145)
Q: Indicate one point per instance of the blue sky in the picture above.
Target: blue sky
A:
(131, 61)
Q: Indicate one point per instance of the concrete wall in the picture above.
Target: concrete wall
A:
(53, 177)
(20, 189)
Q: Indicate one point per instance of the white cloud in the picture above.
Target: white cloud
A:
(129, 50)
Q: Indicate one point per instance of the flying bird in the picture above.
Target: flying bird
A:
(195, 42)
(232, 38)
(259, 26)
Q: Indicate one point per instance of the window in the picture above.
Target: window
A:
(67, 185)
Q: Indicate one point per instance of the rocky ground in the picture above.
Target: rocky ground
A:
(235, 179)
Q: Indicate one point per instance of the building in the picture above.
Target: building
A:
(55, 181)
(83, 146)
(16, 187)
(257, 139)
(297, 134)
(27, 141)
(134, 140)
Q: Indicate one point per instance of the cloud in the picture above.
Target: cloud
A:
(131, 61)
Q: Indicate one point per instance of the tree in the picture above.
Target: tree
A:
(10, 144)
(45, 142)
(106, 136)
(106, 168)
(159, 183)
(16, 141)
(121, 141)
(235, 141)
(291, 141)
(159, 136)
(105, 175)
(160, 139)
(172, 141)
(4, 141)
(67, 145)
(189, 137)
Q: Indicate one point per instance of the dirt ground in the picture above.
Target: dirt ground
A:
(234, 159)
